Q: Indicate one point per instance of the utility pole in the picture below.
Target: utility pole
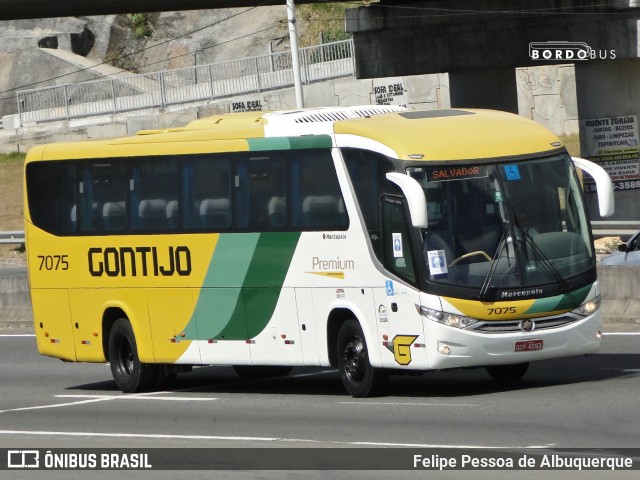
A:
(295, 60)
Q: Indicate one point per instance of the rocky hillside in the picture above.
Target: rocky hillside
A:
(143, 43)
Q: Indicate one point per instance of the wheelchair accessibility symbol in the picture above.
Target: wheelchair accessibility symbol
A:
(390, 292)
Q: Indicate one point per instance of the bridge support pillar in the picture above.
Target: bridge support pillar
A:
(490, 88)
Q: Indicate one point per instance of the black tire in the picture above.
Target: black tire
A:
(358, 376)
(130, 375)
(507, 373)
(255, 372)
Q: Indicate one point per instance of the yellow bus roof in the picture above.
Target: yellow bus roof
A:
(457, 134)
(454, 134)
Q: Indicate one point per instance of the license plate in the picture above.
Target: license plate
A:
(528, 345)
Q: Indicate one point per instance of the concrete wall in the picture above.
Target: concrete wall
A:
(547, 95)
(419, 91)
(15, 302)
(619, 293)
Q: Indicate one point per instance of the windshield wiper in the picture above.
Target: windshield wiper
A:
(482, 294)
(544, 261)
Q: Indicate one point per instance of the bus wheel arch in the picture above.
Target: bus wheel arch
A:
(358, 376)
(128, 372)
(348, 349)
(109, 317)
(336, 318)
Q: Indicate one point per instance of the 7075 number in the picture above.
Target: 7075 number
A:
(54, 262)
(501, 310)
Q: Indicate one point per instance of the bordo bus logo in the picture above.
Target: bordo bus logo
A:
(567, 51)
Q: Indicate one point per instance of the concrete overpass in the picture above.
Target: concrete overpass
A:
(14, 10)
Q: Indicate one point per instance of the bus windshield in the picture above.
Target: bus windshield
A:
(504, 225)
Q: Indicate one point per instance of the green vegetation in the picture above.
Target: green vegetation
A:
(120, 59)
(13, 157)
(141, 23)
(321, 21)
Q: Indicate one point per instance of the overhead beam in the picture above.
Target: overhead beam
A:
(23, 9)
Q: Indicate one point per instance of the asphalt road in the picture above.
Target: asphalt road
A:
(579, 402)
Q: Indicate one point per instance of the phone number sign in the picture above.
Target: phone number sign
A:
(614, 143)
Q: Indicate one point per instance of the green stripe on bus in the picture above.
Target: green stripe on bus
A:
(219, 302)
(263, 283)
(567, 301)
(242, 285)
(289, 143)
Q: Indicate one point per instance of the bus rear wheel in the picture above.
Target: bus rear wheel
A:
(507, 373)
(129, 373)
(358, 376)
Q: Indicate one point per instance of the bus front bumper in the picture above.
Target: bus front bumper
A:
(449, 347)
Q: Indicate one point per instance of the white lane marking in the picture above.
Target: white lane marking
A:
(143, 396)
(619, 334)
(140, 397)
(17, 335)
(301, 375)
(55, 405)
(93, 399)
(260, 439)
(416, 404)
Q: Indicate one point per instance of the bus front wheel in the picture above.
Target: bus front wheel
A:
(358, 376)
(129, 373)
(507, 373)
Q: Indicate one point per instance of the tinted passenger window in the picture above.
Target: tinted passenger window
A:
(155, 194)
(52, 196)
(209, 194)
(317, 200)
(103, 197)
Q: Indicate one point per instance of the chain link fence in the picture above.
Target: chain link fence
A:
(192, 84)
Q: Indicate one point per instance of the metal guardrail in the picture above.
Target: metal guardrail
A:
(615, 228)
(203, 82)
(14, 237)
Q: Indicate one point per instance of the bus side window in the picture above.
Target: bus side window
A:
(397, 253)
(52, 195)
(155, 194)
(317, 201)
(208, 194)
(103, 197)
(266, 181)
(367, 172)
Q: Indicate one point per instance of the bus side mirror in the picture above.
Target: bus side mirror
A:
(416, 199)
(603, 184)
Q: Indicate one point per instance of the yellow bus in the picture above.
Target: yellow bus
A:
(372, 239)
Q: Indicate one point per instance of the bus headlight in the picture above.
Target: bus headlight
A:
(589, 307)
(449, 319)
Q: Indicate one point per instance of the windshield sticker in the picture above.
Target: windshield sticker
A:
(437, 262)
(512, 172)
(397, 245)
(442, 174)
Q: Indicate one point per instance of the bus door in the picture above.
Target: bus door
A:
(400, 326)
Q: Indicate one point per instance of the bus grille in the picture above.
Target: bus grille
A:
(516, 325)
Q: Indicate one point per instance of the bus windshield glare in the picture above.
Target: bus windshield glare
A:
(504, 225)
